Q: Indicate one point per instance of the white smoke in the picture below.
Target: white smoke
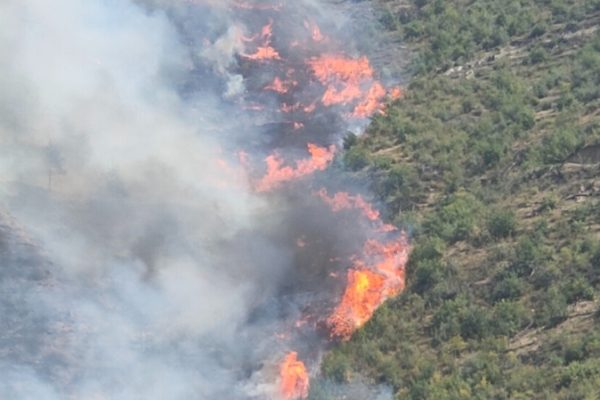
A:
(122, 185)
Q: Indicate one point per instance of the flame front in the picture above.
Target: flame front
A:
(369, 286)
(277, 174)
(346, 86)
(264, 51)
(294, 381)
(345, 201)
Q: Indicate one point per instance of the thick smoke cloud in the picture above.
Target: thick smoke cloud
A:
(136, 288)
(136, 260)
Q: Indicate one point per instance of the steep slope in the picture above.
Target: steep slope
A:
(491, 160)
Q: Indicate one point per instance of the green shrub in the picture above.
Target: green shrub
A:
(501, 223)
(455, 220)
(356, 158)
(551, 307)
(559, 145)
(508, 286)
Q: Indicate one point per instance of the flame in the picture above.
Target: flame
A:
(310, 108)
(315, 31)
(345, 201)
(341, 76)
(277, 174)
(333, 67)
(280, 86)
(396, 92)
(316, 34)
(368, 287)
(363, 294)
(372, 101)
(265, 51)
(348, 81)
(294, 381)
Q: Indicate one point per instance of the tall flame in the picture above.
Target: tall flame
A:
(369, 286)
(294, 381)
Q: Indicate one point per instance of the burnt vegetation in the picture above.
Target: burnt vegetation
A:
(491, 162)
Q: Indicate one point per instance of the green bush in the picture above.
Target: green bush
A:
(356, 158)
(559, 145)
(508, 286)
(508, 318)
(551, 307)
(455, 220)
(501, 223)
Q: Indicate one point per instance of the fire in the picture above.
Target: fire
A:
(371, 103)
(350, 81)
(315, 31)
(369, 286)
(265, 51)
(317, 35)
(329, 68)
(396, 93)
(277, 173)
(280, 86)
(294, 381)
(345, 201)
(363, 294)
(341, 76)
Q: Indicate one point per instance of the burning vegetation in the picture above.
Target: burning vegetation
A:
(293, 378)
(318, 78)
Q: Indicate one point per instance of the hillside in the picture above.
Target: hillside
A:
(491, 161)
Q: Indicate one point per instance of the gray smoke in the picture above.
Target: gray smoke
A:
(137, 291)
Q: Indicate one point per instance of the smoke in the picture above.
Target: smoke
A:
(138, 261)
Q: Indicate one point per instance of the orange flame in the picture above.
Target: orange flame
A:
(363, 294)
(345, 201)
(342, 77)
(369, 287)
(294, 381)
(316, 34)
(396, 93)
(265, 51)
(277, 174)
(280, 86)
(348, 81)
(371, 103)
(315, 31)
